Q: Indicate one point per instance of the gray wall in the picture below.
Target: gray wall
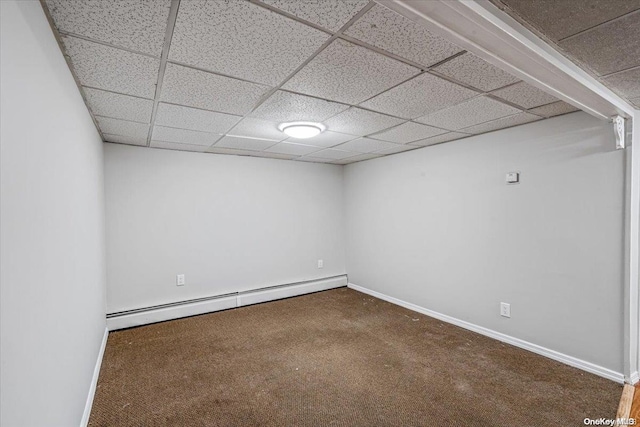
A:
(229, 223)
(52, 280)
(438, 227)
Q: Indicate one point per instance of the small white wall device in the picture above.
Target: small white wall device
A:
(619, 131)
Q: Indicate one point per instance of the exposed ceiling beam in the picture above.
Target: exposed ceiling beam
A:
(483, 29)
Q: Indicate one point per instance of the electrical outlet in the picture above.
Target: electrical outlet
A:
(320, 263)
(180, 280)
(505, 309)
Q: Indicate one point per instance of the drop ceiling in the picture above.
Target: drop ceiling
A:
(601, 36)
(219, 76)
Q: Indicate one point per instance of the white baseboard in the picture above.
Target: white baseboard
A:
(543, 351)
(94, 381)
(634, 378)
(192, 308)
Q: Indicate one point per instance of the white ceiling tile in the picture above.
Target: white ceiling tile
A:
(349, 73)
(178, 116)
(329, 14)
(112, 69)
(257, 128)
(356, 121)
(184, 136)
(524, 95)
(365, 145)
(177, 146)
(399, 148)
(123, 127)
(333, 154)
(326, 139)
(133, 24)
(117, 106)
(292, 149)
(505, 122)
(468, 113)
(358, 158)
(394, 33)
(473, 71)
(125, 139)
(451, 136)
(244, 143)
(554, 109)
(291, 107)
(186, 86)
(408, 132)
(241, 39)
(419, 96)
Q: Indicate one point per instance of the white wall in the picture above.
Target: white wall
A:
(229, 223)
(51, 229)
(439, 228)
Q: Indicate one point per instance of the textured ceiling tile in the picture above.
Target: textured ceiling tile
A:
(636, 102)
(356, 121)
(408, 132)
(358, 158)
(394, 33)
(292, 149)
(133, 24)
(184, 136)
(112, 69)
(561, 18)
(333, 154)
(291, 107)
(125, 107)
(554, 109)
(125, 139)
(181, 117)
(505, 122)
(177, 146)
(326, 139)
(473, 71)
(329, 14)
(399, 148)
(365, 145)
(525, 95)
(451, 136)
(241, 39)
(468, 113)
(349, 73)
(240, 143)
(257, 128)
(626, 83)
(123, 127)
(186, 86)
(419, 96)
(609, 47)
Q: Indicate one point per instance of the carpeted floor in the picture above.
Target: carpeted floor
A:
(334, 358)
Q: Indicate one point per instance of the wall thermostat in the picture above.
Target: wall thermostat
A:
(513, 178)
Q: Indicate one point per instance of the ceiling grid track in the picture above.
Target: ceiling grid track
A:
(171, 23)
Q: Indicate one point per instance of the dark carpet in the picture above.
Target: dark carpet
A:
(334, 358)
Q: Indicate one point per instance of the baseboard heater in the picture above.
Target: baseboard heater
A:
(176, 310)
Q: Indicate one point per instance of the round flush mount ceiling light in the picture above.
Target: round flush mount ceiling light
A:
(302, 130)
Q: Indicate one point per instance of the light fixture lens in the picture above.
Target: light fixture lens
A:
(302, 130)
